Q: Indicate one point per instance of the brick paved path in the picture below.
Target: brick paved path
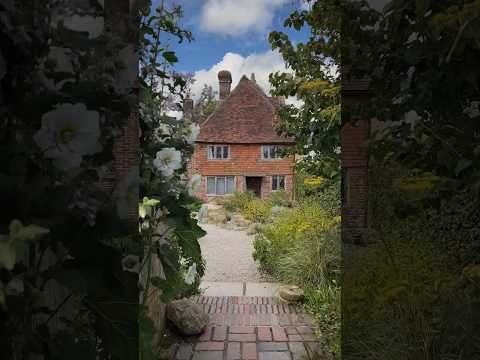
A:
(251, 328)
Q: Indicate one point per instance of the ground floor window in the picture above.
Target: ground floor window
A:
(278, 182)
(220, 185)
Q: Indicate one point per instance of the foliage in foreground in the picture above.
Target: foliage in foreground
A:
(413, 291)
(301, 246)
(167, 229)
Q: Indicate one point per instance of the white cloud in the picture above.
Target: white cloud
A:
(235, 17)
(261, 64)
(305, 5)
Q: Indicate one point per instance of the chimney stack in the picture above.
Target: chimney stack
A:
(252, 78)
(188, 108)
(225, 82)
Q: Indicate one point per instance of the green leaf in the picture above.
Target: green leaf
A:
(142, 211)
(170, 56)
(150, 202)
(25, 233)
(7, 255)
(462, 165)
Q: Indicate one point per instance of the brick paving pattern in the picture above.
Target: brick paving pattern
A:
(251, 328)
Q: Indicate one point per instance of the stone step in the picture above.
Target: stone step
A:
(251, 289)
(245, 305)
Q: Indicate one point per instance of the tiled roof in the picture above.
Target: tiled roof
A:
(246, 116)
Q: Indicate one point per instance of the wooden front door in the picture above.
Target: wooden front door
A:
(254, 184)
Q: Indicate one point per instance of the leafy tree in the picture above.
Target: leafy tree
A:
(315, 124)
(206, 104)
(420, 58)
(427, 50)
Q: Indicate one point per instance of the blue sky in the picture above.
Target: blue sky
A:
(232, 35)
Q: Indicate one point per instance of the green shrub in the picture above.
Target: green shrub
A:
(324, 302)
(278, 198)
(256, 211)
(413, 289)
(238, 201)
(302, 247)
(195, 205)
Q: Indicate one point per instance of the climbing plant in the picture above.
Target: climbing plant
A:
(168, 231)
(62, 107)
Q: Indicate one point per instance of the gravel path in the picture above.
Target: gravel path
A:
(228, 255)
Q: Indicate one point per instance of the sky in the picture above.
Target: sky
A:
(233, 35)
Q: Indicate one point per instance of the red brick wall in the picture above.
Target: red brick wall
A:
(355, 180)
(245, 160)
(127, 156)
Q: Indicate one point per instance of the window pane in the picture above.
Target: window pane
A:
(225, 152)
(211, 152)
(265, 152)
(282, 182)
(274, 152)
(274, 183)
(210, 185)
(230, 184)
(218, 152)
(220, 185)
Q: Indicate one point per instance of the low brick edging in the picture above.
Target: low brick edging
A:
(248, 328)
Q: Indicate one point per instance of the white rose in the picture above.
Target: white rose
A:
(168, 160)
(68, 133)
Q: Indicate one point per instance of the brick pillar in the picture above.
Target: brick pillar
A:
(354, 180)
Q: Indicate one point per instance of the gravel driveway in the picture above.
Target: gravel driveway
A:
(228, 255)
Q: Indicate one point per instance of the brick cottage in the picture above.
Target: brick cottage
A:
(238, 148)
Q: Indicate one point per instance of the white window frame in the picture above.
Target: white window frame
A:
(225, 178)
(215, 152)
(284, 183)
(262, 149)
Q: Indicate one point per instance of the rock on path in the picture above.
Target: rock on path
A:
(228, 255)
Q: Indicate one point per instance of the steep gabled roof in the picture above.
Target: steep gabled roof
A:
(246, 116)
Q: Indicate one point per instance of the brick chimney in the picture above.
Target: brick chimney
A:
(252, 78)
(225, 82)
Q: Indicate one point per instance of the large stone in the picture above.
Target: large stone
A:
(188, 317)
(290, 293)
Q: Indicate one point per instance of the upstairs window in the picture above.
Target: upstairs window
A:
(278, 182)
(270, 152)
(218, 152)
